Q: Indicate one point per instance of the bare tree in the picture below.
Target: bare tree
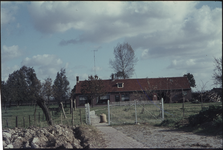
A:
(201, 91)
(124, 61)
(217, 76)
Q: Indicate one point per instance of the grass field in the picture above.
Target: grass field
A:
(119, 114)
(26, 111)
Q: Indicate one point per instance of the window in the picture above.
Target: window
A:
(125, 97)
(82, 99)
(120, 85)
(103, 99)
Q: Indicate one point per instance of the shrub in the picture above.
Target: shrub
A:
(206, 115)
(218, 121)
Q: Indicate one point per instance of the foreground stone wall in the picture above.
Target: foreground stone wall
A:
(57, 136)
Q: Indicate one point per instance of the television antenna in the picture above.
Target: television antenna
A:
(94, 62)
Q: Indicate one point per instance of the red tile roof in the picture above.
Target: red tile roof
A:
(139, 84)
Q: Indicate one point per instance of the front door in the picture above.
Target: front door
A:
(117, 98)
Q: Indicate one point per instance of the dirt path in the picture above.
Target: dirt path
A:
(113, 137)
(141, 136)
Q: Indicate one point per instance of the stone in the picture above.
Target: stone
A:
(9, 146)
(52, 131)
(33, 145)
(4, 144)
(68, 145)
(76, 144)
(17, 142)
(14, 136)
(51, 139)
(26, 145)
(7, 135)
(6, 140)
(35, 142)
(11, 132)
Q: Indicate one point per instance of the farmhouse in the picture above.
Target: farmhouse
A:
(171, 89)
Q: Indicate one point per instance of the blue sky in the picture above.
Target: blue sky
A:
(170, 39)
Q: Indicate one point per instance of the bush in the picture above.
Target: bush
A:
(218, 121)
(206, 115)
(195, 101)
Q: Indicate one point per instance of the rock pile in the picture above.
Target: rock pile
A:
(57, 136)
(211, 96)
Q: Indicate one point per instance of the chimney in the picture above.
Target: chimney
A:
(77, 79)
(112, 77)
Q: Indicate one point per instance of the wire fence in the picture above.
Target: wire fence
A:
(184, 110)
(128, 112)
(131, 112)
(23, 116)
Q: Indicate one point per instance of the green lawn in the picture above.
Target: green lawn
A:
(26, 111)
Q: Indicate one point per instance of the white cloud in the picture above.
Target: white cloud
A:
(7, 13)
(42, 60)
(18, 25)
(143, 24)
(10, 52)
(144, 54)
(50, 17)
(96, 68)
(46, 64)
(6, 70)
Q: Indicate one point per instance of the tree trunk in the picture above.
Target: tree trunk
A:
(5, 106)
(35, 116)
(48, 101)
(42, 105)
(92, 102)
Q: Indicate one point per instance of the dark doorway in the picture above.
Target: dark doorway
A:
(117, 98)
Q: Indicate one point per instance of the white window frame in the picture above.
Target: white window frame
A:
(118, 85)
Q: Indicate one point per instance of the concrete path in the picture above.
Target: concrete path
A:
(113, 137)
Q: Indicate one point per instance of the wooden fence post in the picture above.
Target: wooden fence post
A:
(16, 121)
(63, 110)
(34, 120)
(162, 108)
(29, 120)
(71, 105)
(74, 104)
(61, 118)
(24, 125)
(72, 111)
(7, 123)
(39, 117)
(108, 112)
(80, 116)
